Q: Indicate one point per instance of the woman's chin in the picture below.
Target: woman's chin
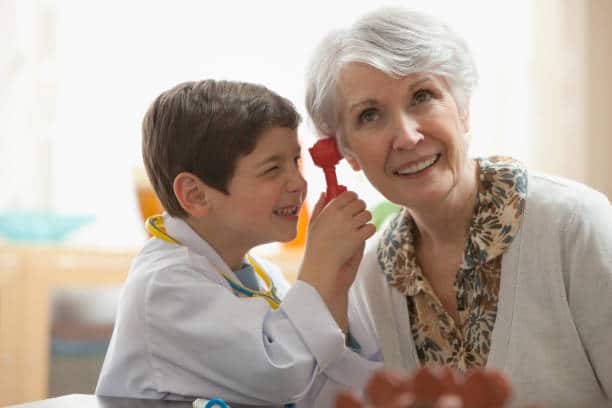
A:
(423, 198)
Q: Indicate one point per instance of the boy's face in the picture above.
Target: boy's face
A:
(265, 193)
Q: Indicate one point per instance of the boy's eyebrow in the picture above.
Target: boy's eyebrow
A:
(277, 157)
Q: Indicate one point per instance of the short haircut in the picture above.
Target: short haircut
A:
(204, 128)
(396, 41)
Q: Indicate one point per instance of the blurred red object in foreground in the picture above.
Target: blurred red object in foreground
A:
(434, 388)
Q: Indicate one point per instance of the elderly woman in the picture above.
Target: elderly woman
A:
(487, 264)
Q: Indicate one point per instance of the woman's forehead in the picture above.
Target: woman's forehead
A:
(359, 82)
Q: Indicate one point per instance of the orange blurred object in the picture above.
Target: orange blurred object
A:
(302, 228)
(147, 199)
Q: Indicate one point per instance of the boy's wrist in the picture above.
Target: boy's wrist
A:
(335, 301)
(338, 307)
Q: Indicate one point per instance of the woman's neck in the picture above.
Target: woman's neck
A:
(447, 222)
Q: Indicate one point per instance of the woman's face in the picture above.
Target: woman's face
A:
(406, 134)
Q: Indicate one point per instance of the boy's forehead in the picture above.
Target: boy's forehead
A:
(274, 143)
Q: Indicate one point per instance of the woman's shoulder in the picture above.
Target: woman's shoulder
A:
(562, 206)
(562, 195)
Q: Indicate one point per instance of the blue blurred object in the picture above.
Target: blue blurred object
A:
(78, 347)
(40, 226)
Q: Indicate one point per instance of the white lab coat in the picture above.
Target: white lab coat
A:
(181, 332)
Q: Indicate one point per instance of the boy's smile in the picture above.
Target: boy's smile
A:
(265, 196)
(290, 211)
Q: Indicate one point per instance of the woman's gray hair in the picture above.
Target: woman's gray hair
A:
(396, 41)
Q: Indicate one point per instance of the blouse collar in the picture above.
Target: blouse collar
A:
(496, 220)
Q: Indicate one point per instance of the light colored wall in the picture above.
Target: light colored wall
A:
(572, 115)
(558, 88)
(599, 95)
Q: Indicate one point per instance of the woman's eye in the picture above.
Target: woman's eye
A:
(421, 96)
(368, 115)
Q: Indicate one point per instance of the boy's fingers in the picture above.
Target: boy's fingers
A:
(361, 218)
(343, 199)
(318, 207)
(366, 231)
(357, 206)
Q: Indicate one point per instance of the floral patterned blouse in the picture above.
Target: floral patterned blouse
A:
(439, 340)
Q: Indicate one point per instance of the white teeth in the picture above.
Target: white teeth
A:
(418, 166)
(286, 211)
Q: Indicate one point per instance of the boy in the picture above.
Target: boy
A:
(198, 316)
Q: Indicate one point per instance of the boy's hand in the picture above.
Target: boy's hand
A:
(334, 247)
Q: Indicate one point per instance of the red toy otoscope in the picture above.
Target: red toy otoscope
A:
(325, 154)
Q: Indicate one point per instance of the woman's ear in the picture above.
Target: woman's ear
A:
(464, 117)
(352, 162)
(346, 153)
(190, 191)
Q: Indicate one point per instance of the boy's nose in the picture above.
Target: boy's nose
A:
(297, 183)
(406, 133)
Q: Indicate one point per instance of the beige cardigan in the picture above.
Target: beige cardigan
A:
(553, 332)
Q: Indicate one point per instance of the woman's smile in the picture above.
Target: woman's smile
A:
(418, 168)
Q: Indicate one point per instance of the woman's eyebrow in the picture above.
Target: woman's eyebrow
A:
(367, 102)
(374, 102)
(419, 82)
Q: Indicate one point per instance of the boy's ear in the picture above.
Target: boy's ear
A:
(190, 191)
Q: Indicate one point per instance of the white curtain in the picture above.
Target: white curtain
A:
(27, 103)
(77, 77)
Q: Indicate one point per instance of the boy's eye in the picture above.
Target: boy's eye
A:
(421, 96)
(297, 159)
(271, 170)
(368, 115)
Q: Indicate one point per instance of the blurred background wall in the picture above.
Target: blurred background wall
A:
(572, 90)
(77, 77)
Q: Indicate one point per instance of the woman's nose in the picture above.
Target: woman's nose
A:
(407, 133)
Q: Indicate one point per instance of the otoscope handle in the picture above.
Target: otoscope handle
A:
(325, 154)
(333, 188)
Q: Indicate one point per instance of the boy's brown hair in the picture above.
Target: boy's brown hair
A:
(204, 128)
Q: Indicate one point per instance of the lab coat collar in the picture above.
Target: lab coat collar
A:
(181, 231)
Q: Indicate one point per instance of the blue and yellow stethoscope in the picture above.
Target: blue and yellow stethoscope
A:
(155, 226)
